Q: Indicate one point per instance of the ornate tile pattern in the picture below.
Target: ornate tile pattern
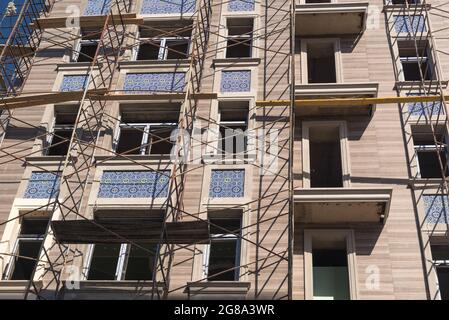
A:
(227, 183)
(241, 5)
(424, 108)
(154, 82)
(407, 24)
(436, 208)
(73, 83)
(134, 184)
(97, 7)
(235, 81)
(42, 185)
(167, 6)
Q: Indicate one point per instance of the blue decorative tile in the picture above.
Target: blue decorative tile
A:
(227, 183)
(134, 184)
(436, 208)
(241, 5)
(404, 23)
(42, 185)
(73, 83)
(97, 7)
(154, 82)
(235, 81)
(424, 108)
(167, 6)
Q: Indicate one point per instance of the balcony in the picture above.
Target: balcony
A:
(342, 205)
(335, 90)
(330, 18)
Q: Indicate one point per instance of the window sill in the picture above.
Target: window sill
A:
(425, 183)
(241, 62)
(70, 66)
(212, 158)
(43, 160)
(112, 289)
(154, 63)
(217, 290)
(407, 85)
(114, 159)
(15, 289)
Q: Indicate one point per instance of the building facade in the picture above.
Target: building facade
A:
(235, 149)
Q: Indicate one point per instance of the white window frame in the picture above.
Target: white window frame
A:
(243, 36)
(11, 264)
(348, 235)
(428, 148)
(55, 127)
(344, 149)
(337, 57)
(122, 261)
(223, 237)
(79, 43)
(146, 127)
(163, 48)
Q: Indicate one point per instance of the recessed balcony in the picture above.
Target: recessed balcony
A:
(330, 18)
(342, 205)
(314, 91)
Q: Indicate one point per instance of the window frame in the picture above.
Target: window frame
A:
(222, 237)
(9, 271)
(146, 127)
(163, 49)
(348, 235)
(237, 37)
(344, 149)
(122, 262)
(337, 55)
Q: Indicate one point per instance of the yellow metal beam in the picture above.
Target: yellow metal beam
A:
(38, 99)
(85, 21)
(349, 101)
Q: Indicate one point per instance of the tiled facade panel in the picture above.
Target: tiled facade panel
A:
(154, 82)
(167, 7)
(134, 184)
(405, 24)
(97, 7)
(73, 83)
(235, 81)
(424, 108)
(436, 208)
(42, 185)
(227, 183)
(240, 5)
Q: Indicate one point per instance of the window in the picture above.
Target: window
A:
(147, 132)
(155, 44)
(321, 67)
(239, 43)
(233, 127)
(415, 61)
(317, 1)
(329, 264)
(87, 46)
(405, 1)
(427, 152)
(440, 257)
(222, 256)
(59, 140)
(27, 248)
(114, 261)
(325, 156)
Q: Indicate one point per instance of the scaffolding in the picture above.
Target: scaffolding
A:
(71, 227)
(409, 23)
(69, 224)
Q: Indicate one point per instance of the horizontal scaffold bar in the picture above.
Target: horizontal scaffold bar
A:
(86, 21)
(25, 101)
(350, 101)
